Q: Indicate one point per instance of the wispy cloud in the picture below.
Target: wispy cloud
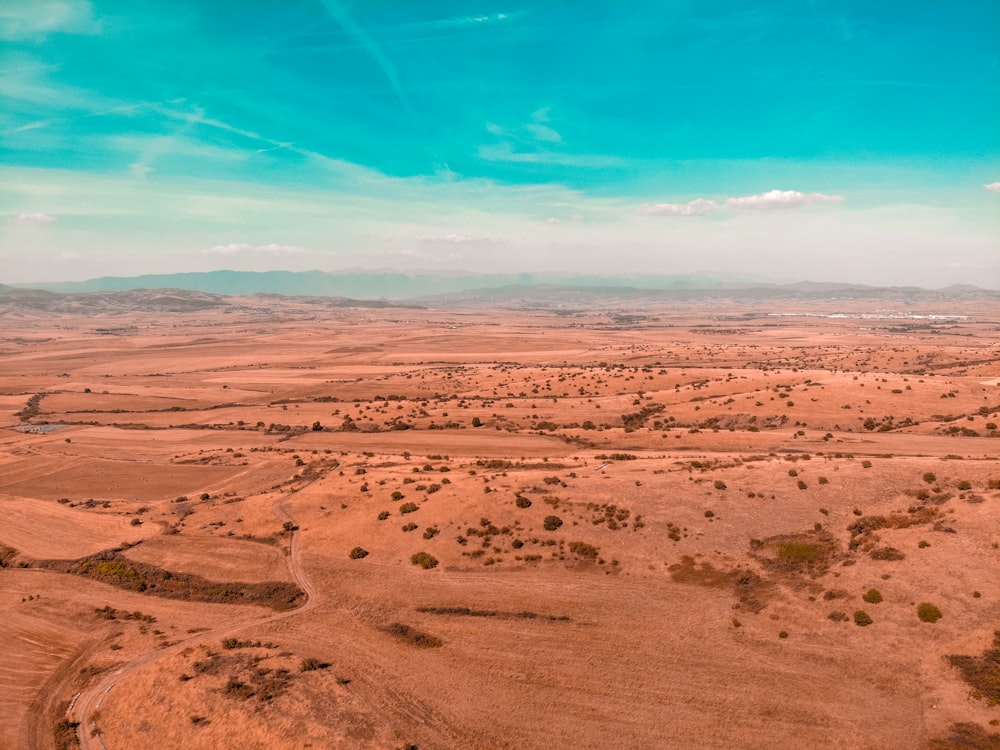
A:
(781, 199)
(34, 20)
(241, 248)
(457, 239)
(773, 199)
(359, 35)
(696, 207)
(993, 187)
(35, 219)
(504, 152)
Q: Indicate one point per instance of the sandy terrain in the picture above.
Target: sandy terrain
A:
(510, 529)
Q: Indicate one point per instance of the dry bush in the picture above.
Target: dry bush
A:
(862, 618)
(413, 636)
(928, 612)
(424, 560)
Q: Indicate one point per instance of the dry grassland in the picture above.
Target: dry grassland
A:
(291, 527)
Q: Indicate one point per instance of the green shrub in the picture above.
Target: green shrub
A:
(862, 618)
(872, 596)
(358, 552)
(719, 484)
(927, 612)
(384, 515)
(551, 523)
(408, 507)
(522, 502)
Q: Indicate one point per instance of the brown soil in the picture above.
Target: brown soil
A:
(726, 484)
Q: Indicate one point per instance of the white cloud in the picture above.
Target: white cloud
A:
(35, 219)
(36, 19)
(553, 221)
(697, 207)
(993, 186)
(781, 199)
(456, 239)
(241, 248)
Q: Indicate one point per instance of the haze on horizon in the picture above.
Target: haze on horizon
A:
(832, 141)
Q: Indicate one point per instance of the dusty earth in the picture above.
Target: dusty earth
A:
(653, 529)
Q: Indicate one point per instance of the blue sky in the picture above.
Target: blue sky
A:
(849, 141)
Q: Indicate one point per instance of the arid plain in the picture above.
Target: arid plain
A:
(285, 525)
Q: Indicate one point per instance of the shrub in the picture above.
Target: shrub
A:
(927, 612)
(397, 495)
(866, 464)
(719, 484)
(872, 596)
(424, 560)
(965, 485)
(930, 477)
(408, 507)
(522, 502)
(383, 515)
(310, 664)
(862, 618)
(358, 553)
(410, 527)
(583, 549)
(887, 553)
(551, 523)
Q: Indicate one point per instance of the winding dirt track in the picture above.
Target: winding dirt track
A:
(91, 699)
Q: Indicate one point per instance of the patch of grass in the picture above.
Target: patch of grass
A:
(113, 568)
(966, 736)
(982, 673)
(928, 612)
(809, 552)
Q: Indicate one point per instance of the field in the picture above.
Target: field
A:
(290, 526)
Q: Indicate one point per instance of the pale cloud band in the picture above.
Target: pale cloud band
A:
(35, 219)
(236, 248)
(773, 199)
(993, 187)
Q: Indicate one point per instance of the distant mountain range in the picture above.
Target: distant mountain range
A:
(449, 286)
(191, 292)
(374, 284)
